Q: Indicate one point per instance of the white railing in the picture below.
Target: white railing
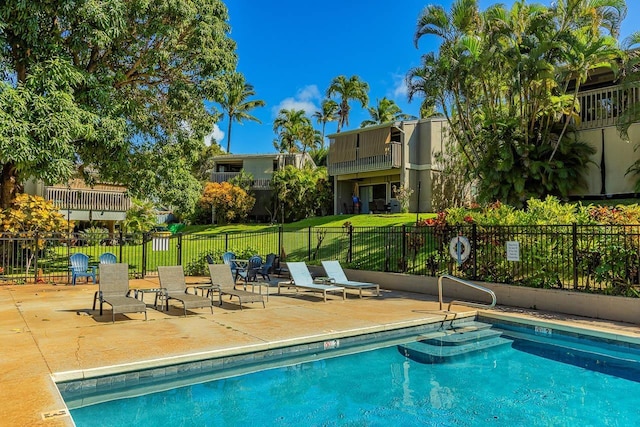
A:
(389, 160)
(469, 284)
(258, 184)
(87, 199)
(602, 107)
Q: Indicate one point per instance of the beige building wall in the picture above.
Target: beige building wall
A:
(260, 168)
(425, 138)
(619, 155)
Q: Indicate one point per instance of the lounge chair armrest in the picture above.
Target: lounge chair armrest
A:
(324, 280)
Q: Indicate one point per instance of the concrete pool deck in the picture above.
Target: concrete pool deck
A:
(49, 329)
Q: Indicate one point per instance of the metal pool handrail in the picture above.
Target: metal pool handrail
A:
(472, 285)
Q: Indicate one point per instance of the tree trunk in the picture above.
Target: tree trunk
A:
(229, 136)
(8, 185)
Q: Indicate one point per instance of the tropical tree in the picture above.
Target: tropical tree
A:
(87, 89)
(29, 217)
(140, 217)
(631, 83)
(204, 163)
(233, 96)
(385, 111)
(347, 90)
(292, 127)
(328, 113)
(302, 192)
(229, 202)
(506, 80)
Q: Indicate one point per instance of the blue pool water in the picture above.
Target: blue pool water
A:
(501, 387)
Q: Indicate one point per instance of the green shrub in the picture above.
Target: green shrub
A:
(94, 235)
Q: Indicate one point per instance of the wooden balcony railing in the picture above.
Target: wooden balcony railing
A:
(85, 199)
(258, 184)
(603, 107)
(392, 159)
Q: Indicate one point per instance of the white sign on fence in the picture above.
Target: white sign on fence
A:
(513, 251)
(160, 243)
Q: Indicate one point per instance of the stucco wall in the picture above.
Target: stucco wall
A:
(619, 155)
(576, 303)
(259, 168)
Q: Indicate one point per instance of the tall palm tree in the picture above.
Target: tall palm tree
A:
(328, 113)
(351, 89)
(386, 111)
(233, 97)
(291, 128)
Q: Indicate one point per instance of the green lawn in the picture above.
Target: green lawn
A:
(371, 220)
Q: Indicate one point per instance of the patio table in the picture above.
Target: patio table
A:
(142, 291)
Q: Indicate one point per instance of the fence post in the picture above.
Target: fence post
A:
(121, 244)
(403, 267)
(179, 247)
(350, 251)
(280, 240)
(574, 243)
(35, 259)
(144, 254)
(474, 246)
(309, 245)
(226, 242)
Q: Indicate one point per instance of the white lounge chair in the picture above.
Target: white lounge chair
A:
(301, 279)
(335, 273)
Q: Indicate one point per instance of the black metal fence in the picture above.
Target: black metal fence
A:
(580, 257)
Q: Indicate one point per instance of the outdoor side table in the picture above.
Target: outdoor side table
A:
(207, 287)
(142, 291)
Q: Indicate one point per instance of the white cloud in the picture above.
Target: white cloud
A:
(216, 135)
(306, 99)
(399, 89)
(310, 92)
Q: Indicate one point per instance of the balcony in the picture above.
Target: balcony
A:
(258, 184)
(87, 199)
(392, 159)
(602, 107)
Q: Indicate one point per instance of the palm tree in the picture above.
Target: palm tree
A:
(351, 89)
(233, 98)
(386, 111)
(328, 113)
(631, 113)
(291, 128)
(309, 138)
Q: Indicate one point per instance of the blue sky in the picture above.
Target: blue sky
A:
(291, 50)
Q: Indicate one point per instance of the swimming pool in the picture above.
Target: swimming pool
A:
(516, 384)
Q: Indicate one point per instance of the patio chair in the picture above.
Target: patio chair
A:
(222, 276)
(80, 268)
(278, 268)
(114, 290)
(336, 275)
(301, 279)
(174, 287)
(228, 258)
(250, 273)
(267, 267)
(108, 258)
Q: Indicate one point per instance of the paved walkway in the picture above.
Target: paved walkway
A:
(48, 329)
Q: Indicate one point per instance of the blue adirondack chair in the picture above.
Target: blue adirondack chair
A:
(228, 258)
(253, 269)
(80, 268)
(108, 258)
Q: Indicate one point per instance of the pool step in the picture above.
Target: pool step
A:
(445, 345)
(613, 360)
